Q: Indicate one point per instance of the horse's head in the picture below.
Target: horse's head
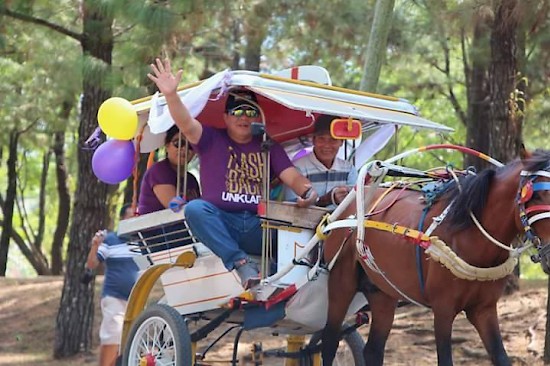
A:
(534, 203)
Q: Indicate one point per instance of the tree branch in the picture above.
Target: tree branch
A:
(36, 260)
(30, 19)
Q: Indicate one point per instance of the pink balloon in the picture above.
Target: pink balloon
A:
(113, 161)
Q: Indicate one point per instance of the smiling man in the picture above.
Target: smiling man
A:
(231, 171)
(331, 177)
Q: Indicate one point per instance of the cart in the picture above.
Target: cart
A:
(200, 294)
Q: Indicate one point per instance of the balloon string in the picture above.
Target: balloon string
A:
(185, 169)
(150, 159)
(136, 169)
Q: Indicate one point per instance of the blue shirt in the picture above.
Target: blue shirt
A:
(121, 272)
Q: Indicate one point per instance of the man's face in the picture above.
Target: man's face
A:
(239, 120)
(325, 147)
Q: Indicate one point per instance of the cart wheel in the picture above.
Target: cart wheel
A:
(350, 348)
(159, 336)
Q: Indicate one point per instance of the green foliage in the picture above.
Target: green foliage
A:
(429, 46)
(530, 270)
(329, 34)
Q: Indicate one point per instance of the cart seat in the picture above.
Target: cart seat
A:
(289, 214)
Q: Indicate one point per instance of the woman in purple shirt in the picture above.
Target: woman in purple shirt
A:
(159, 183)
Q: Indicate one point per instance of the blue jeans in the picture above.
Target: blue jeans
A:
(230, 235)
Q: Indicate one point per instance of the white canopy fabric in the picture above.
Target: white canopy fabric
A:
(289, 106)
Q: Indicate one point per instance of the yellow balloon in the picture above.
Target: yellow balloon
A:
(117, 118)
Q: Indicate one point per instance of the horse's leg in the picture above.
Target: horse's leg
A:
(485, 320)
(382, 313)
(342, 286)
(443, 327)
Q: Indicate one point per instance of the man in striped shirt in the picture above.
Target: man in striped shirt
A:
(330, 176)
(121, 273)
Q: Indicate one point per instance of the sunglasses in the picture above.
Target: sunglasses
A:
(177, 143)
(240, 111)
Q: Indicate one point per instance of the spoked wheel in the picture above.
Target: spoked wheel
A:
(350, 348)
(158, 337)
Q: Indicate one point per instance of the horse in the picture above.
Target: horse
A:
(506, 202)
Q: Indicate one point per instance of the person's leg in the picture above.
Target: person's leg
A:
(245, 228)
(108, 354)
(110, 330)
(248, 231)
(209, 224)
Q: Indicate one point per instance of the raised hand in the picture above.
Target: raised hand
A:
(163, 77)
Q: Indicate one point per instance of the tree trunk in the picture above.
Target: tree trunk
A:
(64, 202)
(236, 34)
(75, 315)
(9, 203)
(505, 130)
(34, 240)
(477, 128)
(255, 29)
(39, 238)
(37, 261)
(376, 49)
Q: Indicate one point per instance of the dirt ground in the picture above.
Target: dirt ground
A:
(28, 308)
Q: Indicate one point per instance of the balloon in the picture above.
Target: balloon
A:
(117, 118)
(113, 161)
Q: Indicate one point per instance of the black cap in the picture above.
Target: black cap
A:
(322, 124)
(237, 98)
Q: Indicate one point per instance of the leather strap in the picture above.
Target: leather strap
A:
(422, 239)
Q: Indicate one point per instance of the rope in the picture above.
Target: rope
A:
(179, 164)
(373, 266)
(135, 170)
(514, 252)
(441, 253)
(489, 237)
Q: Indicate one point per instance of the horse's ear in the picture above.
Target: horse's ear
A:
(523, 153)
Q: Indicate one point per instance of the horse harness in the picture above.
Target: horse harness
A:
(525, 193)
(438, 250)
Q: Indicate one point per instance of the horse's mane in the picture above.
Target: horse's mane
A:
(474, 189)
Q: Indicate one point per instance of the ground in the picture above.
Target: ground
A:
(28, 308)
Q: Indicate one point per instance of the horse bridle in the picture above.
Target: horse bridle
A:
(526, 190)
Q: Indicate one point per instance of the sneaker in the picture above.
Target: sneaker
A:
(248, 273)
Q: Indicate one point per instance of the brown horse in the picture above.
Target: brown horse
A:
(504, 200)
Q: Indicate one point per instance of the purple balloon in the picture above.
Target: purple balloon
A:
(113, 161)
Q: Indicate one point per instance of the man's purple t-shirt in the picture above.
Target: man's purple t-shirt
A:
(162, 173)
(231, 173)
